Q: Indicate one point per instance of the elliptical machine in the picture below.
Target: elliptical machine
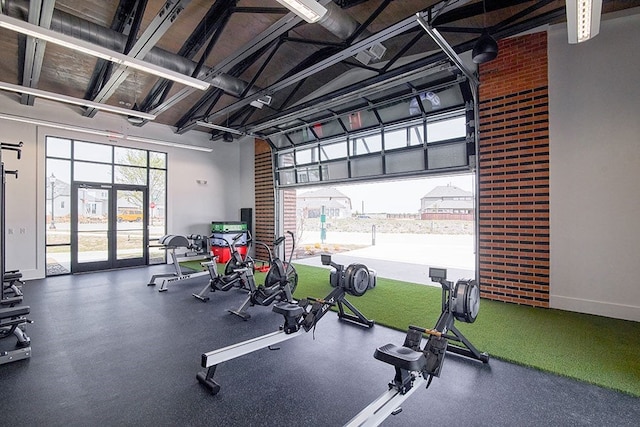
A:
(415, 366)
(232, 277)
(279, 284)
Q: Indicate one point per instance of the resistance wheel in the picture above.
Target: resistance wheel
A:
(466, 303)
(356, 279)
(235, 263)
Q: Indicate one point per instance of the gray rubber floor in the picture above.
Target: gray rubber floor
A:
(110, 351)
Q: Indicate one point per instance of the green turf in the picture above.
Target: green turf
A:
(594, 349)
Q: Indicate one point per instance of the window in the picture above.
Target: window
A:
(69, 161)
(436, 142)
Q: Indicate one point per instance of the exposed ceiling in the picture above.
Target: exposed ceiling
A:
(251, 51)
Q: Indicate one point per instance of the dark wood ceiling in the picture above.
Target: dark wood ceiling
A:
(246, 48)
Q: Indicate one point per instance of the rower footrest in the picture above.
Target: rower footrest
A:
(401, 357)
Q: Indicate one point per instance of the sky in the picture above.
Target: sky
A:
(397, 196)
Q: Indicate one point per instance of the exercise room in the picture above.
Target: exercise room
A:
(319, 212)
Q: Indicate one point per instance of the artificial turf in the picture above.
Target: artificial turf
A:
(594, 349)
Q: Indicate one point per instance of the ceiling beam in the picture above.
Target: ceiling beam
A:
(282, 26)
(40, 13)
(398, 28)
(125, 14)
(156, 29)
(210, 27)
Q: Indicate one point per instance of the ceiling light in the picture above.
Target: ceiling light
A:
(485, 49)
(309, 10)
(218, 127)
(105, 133)
(19, 119)
(167, 143)
(78, 45)
(583, 19)
(75, 101)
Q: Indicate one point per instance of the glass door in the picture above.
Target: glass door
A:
(131, 248)
(108, 227)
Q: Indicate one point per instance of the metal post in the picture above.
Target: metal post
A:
(323, 230)
(52, 180)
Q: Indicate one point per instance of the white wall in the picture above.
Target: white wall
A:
(594, 97)
(191, 206)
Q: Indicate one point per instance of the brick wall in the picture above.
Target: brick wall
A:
(264, 198)
(265, 202)
(514, 173)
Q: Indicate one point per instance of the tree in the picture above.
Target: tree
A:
(135, 173)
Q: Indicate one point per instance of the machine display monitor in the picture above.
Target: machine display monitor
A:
(437, 273)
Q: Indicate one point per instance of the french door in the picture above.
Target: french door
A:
(108, 226)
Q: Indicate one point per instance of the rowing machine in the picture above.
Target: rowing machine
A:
(298, 319)
(416, 366)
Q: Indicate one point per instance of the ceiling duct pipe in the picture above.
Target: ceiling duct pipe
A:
(91, 32)
(342, 25)
(336, 21)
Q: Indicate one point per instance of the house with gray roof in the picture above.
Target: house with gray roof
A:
(447, 202)
(311, 203)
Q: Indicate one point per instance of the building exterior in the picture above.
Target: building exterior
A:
(336, 205)
(447, 202)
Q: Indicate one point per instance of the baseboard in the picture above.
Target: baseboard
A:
(600, 308)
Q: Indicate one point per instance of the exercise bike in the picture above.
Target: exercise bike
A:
(279, 284)
(415, 366)
(233, 276)
(299, 318)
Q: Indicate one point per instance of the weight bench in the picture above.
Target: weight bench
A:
(11, 319)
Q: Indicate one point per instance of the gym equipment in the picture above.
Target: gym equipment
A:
(415, 366)
(13, 320)
(11, 292)
(279, 284)
(298, 319)
(233, 277)
(356, 278)
(222, 234)
(195, 244)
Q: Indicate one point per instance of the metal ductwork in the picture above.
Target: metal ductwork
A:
(339, 23)
(335, 20)
(343, 26)
(73, 26)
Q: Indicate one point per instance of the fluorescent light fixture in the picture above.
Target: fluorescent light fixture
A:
(309, 10)
(74, 101)
(167, 143)
(583, 19)
(50, 36)
(107, 133)
(218, 127)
